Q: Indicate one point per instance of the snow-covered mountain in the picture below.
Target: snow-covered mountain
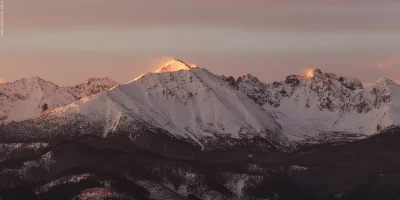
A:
(198, 107)
(320, 102)
(28, 97)
(187, 103)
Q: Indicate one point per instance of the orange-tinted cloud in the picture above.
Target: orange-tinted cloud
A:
(2, 80)
(389, 64)
(396, 81)
(367, 84)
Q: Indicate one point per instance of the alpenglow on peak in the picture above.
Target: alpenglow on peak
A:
(173, 65)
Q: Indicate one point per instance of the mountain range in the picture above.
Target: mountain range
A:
(195, 105)
(190, 119)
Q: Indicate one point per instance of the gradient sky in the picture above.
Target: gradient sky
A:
(67, 42)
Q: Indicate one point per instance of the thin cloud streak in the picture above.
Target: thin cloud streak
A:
(367, 84)
(189, 39)
(304, 15)
(389, 64)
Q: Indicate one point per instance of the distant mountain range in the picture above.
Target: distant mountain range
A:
(189, 117)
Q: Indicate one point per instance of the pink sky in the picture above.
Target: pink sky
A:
(69, 41)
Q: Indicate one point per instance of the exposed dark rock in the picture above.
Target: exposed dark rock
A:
(293, 79)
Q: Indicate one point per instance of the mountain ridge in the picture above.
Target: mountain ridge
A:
(326, 101)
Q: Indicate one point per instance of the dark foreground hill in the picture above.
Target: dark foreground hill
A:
(96, 168)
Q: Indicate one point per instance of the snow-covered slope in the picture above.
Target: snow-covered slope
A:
(317, 102)
(28, 97)
(189, 103)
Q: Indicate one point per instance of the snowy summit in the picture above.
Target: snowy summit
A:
(173, 66)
